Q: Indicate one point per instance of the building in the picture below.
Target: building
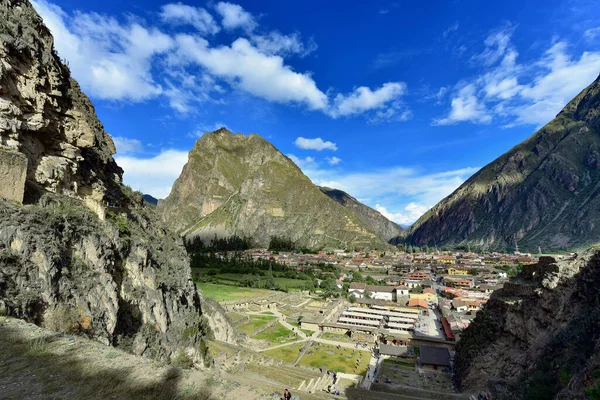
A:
(418, 303)
(435, 357)
(387, 293)
(357, 289)
(458, 271)
(428, 295)
(401, 291)
(459, 305)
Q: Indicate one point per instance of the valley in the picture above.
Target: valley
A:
(205, 263)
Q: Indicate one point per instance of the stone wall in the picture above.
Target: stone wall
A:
(13, 171)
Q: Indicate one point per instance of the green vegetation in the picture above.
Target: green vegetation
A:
(256, 322)
(277, 334)
(229, 293)
(340, 360)
(288, 354)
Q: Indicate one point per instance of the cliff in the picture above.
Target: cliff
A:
(539, 336)
(83, 253)
(543, 192)
(241, 185)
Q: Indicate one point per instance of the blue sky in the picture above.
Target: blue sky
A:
(395, 102)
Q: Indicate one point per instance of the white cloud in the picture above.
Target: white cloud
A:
(333, 160)
(314, 144)
(592, 33)
(133, 62)
(262, 75)
(452, 28)
(181, 14)
(363, 99)
(111, 61)
(301, 162)
(465, 107)
(234, 16)
(496, 45)
(155, 175)
(125, 145)
(277, 43)
(521, 94)
(409, 214)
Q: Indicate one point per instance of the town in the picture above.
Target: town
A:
(390, 325)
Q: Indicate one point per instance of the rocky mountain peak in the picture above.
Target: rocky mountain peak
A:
(541, 193)
(242, 185)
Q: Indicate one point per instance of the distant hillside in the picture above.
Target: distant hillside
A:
(151, 200)
(543, 192)
(242, 185)
(372, 219)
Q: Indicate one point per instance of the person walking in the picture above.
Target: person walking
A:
(287, 395)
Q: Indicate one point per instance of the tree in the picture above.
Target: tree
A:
(352, 298)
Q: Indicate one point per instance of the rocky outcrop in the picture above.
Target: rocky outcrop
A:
(83, 254)
(543, 192)
(241, 185)
(45, 116)
(13, 172)
(539, 336)
(372, 219)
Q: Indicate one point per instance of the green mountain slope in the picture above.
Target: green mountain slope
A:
(242, 185)
(543, 192)
(372, 219)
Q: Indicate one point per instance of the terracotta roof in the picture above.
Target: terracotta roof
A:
(417, 303)
(356, 285)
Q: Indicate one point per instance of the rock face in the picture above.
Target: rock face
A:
(241, 185)
(67, 260)
(45, 116)
(539, 336)
(13, 172)
(372, 219)
(543, 192)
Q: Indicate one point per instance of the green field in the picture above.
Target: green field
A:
(340, 360)
(237, 279)
(230, 293)
(288, 354)
(277, 334)
(256, 322)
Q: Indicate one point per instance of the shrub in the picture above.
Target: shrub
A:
(61, 318)
(182, 360)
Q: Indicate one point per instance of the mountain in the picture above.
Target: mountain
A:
(78, 251)
(372, 219)
(150, 200)
(543, 192)
(539, 336)
(235, 184)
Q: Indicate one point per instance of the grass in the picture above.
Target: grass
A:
(45, 365)
(230, 293)
(340, 360)
(288, 354)
(277, 334)
(256, 322)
